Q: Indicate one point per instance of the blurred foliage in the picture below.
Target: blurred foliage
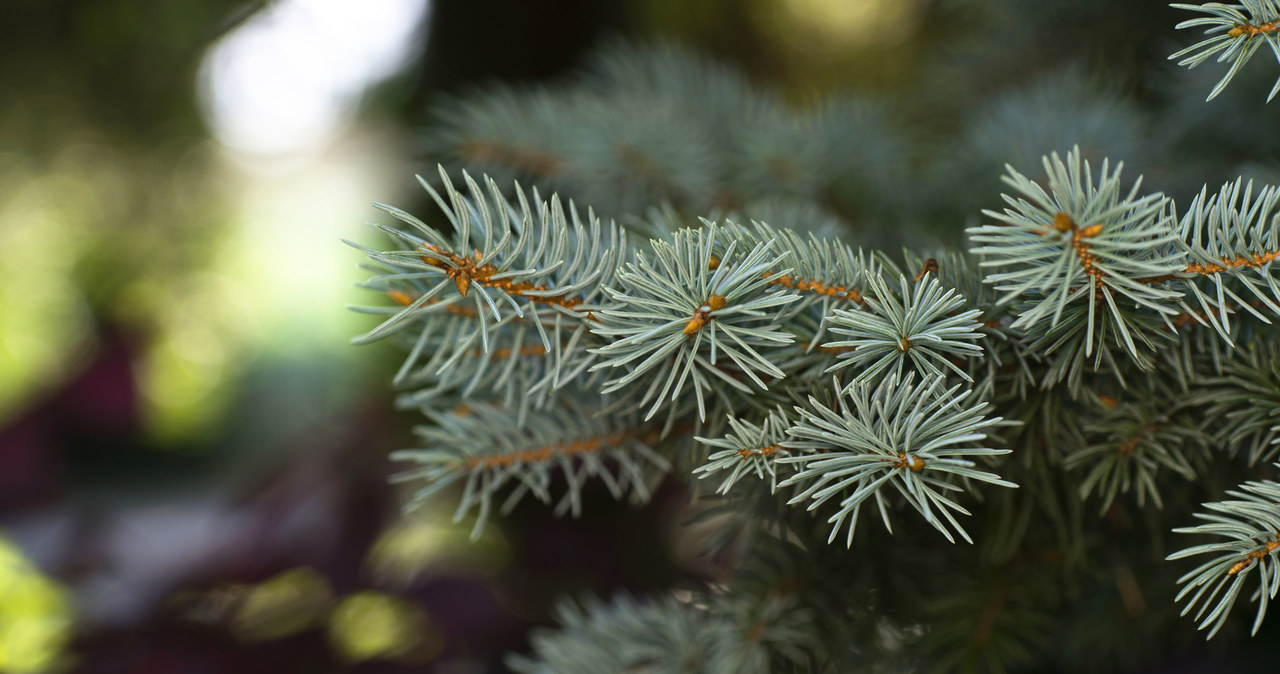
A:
(282, 605)
(369, 625)
(78, 216)
(113, 202)
(35, 616)
(129, 66)
(425, 542)
(121, 213)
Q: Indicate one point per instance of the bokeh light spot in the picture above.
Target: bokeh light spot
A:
(372, 625)
(427, 541)
(290, 77)
(282, 605)
(35, 615)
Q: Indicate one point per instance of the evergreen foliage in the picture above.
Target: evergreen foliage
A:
(913, 437)
(677, 634)
(1250, 523)
(1109, 354)
(1236, 33)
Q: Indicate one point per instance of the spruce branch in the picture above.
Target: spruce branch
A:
(1080, 242)
(1131, 340)
(506, 297)
(823, 269)
(1231, 240)
(1078, 255)
(1250, 523)
(1006, 359)
(748, 449)
(689, 317)
(1235, 33)
(690, 633)
(913, 436)
(1068, 344)
(505, 133)
(492, 450)
(515, 369)
(624, 635)
(1136, 441)
(919, 327)
(827, 274)
(1246, 401)
(508, 256)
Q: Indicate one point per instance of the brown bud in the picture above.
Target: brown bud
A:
(1063, 222)
(930, 266)
(695, 324)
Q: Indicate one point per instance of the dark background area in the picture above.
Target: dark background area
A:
(192, 460)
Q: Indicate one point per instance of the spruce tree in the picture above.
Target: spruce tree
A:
(964, 455)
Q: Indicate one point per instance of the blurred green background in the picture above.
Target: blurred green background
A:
(192, 459)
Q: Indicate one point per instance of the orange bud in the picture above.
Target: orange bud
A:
(695, 324)
(1062, 222)
(463, 282)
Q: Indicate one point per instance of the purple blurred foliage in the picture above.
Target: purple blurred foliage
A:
(137, 532)
(94, 411)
